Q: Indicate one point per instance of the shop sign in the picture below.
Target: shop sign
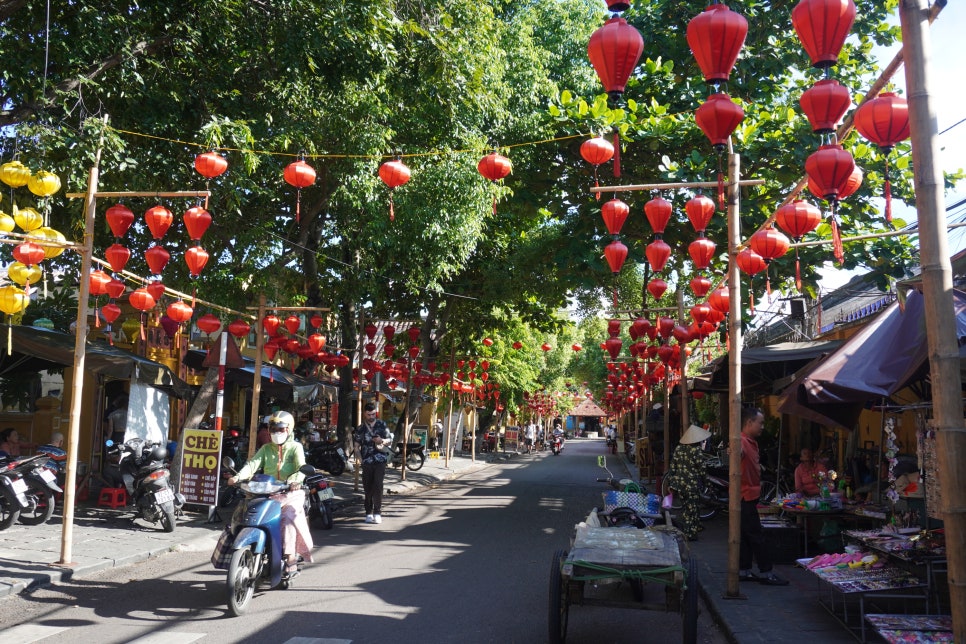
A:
(201, 454)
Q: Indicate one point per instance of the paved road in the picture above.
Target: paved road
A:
(468, 561)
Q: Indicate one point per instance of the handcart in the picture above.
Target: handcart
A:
(612, 552)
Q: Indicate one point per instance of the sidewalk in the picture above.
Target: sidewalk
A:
(105, 538)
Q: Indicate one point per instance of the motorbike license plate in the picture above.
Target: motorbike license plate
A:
(326, 494)
(163, 496)
(48, 476)
(19, 486)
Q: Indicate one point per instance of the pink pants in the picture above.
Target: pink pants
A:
(296, 538)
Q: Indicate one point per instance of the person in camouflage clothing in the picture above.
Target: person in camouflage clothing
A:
(687, 470)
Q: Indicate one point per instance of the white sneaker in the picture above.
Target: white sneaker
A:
(369, 519)
(377, 518)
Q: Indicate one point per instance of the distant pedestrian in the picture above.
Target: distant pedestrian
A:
(117, 420)
(687, 471)
(530, 435)
(372, 445)
(752, 536)
(10, 442)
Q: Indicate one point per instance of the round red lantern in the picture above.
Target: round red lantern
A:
(494, 166)
(716, 37)
(750, 262)
(614, 50)
(615, 253)
(488, 342)
(614, 213)
(884, 120)
(210, 164)
(597, 151)
(701, 251)
(700, 210)
(179, 311)
(657, 253)
(117, 256)
(394, 174)
(156, 289)
(196, 222)
(798, 218)
(239, 328)
(316, 341)
(119, 218)
(196, 257)
(208, 323)
(389, 331)
(29, 253)
(825, 103)
(157, 258)
(853, 184)
(613, 346)
(700, 313)
(142, 300)
(720, 299)
(769, 244)
(700, 285)
(110, 312)
(158, 219)
(316, 321)
(822, 27)
(718, 117)
(658, 213)
(517, 345)
(546, 347)
(576, 347)
(299, 174)
(98, 282)
(665, 326)
(656, 287)
(115, 288)
(830, 168)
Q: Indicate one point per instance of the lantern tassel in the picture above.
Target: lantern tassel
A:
(798, 272)
(768, 284)
(97, 318)
(887, 187)
(110, 336)
(494, 205)
(392, 210)
(298, 205)
(751, 294)
(837, 250)
(617, 154)
(271, 372)
(721, 188)
(143, 336)
(596, 184)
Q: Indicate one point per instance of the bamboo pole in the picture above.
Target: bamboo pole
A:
(357, 471)
(734, 378)
(685, 412)
(937, 287)
(179, 194)
(449, 416)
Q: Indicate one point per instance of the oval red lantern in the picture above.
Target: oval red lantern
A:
(389, 331)
(769, 244)
(830, 168)
(825, 103)
(196, 257)
(370, 330)
(665, 326)
(822, 27)
(110, 312)
(657, 287)
(413, 333)
(640, 327)
(291, 346)
(156, 289)
(664, 353)
(700, 313)
(316, 341)
(157, 258)
(158, 219)
(681, 333)
(716, 37)
(700, 210)
(701, 251)
(750, 262)
(239, 328)
(658, 213)
(98, 282)
(700, 285)
(115, 288)
(613, 346)
(29, 253)
(517, 345)
(614, 50)
(720, 299)
(270, 324)
(414, 351)
(389, 349)
(546, 347)
(494, 166)
(613, 328)
(179, 311)
(394, 174)
(576, 347)
(615, 253)
(210, 164)
(853, 184)
(299, 174)
(292, 324)
(119, 218)
(270, 351)
(196, 222)
(142, 300)
(718, 117)
(657, 253)
(884, 120)
(488, 342)
(316, 321)
(798, 218)
(597, 151)
(614, 213)
(117, 256)
(208, 323)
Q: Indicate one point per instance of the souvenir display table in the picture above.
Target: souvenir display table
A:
(807, 510)
(912, 629)
(855, 580)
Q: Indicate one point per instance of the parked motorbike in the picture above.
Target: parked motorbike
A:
(329, 456)
(256, 541)
(712, 493)
(319, 499)
(556, 444)
(26, 491)
(415, 454)
(148, 480)
(235, 446)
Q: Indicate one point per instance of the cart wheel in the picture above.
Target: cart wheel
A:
(689, 616)
(558, 606)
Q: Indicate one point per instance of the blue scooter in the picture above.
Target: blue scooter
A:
(256, 547)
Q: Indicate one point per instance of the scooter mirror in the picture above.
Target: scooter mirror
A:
(109, 442)
(228, 463)
(308, 470)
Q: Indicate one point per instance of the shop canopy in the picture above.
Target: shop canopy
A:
(587, 407)
(889, 354)
(36, 349)
(277, 382)
(765, 368)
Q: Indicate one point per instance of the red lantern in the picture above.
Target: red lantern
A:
(718, 117)
(494, 166)
(576, 347)
(370, 330)
(822, 27)
(316, 321)
(179, 311)
(665, 326)
(29, 253)
(210, 165)
(615, 214)
(158, 219)
(98, 282)
(270, 324)
(196, 257)
(413, 333)
(658, 213)
(716, 36)
(596, 151)
(115, 288)
(664, 353)
(701, 251)
(657, 253)
(825, 103)
(798, 218)
(293, 323)
(389, 349)
(394, 174)
(208, 323)
(156, 289)
(656, 287)
(142, 300)
(750, 262)
(769, 244)
(117, 256)
(613, 347)
(488, 342)
(615, 253)
(681, 333)
(110, 312)
(830, 168)
(299, 174)
(239, 328)
(700, 285)
(157, 258)
(413, 351)
(700, 313)
(389, 331)
(119, 218)
(853, 184)
(614, 50)
(700, 210)
(617, 6)
(720, 299)
(546, 347)
(885, 121)
(196, 222)
(613, 328)
(517, 345)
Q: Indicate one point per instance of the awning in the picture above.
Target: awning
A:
(764, 368)
(885, 356)
(277, 382)
(587, 407)
(36, 349)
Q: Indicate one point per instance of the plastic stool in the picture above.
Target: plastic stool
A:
(112, 497)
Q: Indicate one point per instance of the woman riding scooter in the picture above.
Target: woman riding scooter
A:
(282, 459)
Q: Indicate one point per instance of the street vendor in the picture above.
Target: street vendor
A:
(687, 470)
(807, 474)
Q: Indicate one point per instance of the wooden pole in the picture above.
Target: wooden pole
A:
(685, 412)
(734, 377)
(357, 471)
(449, 416)
(257, 382)
(937, 285)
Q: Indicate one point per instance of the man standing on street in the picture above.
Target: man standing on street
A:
(372, 447)
(752, 535)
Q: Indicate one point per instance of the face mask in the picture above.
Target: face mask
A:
(279, 437)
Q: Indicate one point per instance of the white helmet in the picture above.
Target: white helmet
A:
(281, 419)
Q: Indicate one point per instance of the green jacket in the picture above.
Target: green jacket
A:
(266, 460)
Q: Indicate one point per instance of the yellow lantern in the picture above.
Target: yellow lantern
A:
(51, 235)
(28, 218)
(43, 183)
(7, 223)
(14, 174)
(23, 274)
(13, 300)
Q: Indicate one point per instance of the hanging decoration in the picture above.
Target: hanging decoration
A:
(884, 120)
(830, 168)
(769, 244)
(12, 301)
(822, 27)
(700, 285)
(750, 263)
(299, 175)
(597, 151)
(119, 218)
(798, 218)
(210, 165)
(394, 174)
(716, 37)
(615, 253)
(494, 167)
(657, 287)
(824, 104)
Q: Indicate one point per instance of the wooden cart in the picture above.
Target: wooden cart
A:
(604, 555)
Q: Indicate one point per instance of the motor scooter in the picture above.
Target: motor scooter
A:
(328, 455)
(556, 446)
(148, 480)
(415, 454)
(256, 541)
(21, 485)
(319, 499)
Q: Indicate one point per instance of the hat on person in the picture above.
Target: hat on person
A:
(694, 434)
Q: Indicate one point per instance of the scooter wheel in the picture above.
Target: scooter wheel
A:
(336, 467)
(167, 516)
(241, 580)
(326, 516)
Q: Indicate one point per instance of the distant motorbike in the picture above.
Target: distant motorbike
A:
(319, 499)
(148, 480)
(415, 454)
(712, 493)
(26, 491)
(556, 444)
(228, 495)
(328, 455)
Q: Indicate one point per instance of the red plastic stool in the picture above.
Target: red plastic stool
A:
(112, 497)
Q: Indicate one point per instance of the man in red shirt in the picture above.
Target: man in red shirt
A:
(752, 537)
